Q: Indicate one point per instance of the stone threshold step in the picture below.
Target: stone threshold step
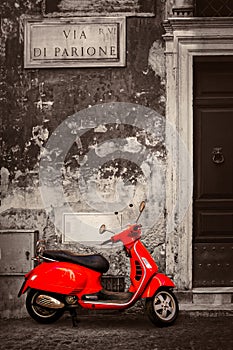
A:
(206, 307)
(214, 290)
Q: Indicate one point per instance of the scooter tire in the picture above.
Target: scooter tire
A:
(163, 308)
(37, 312)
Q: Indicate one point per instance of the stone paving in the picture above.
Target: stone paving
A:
(120, 331)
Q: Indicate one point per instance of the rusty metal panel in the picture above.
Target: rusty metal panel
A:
(213, 264)
(16, 250)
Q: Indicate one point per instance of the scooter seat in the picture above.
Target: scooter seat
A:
(93, 261)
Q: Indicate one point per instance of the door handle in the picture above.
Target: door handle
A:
(217, 155)
(27, 253)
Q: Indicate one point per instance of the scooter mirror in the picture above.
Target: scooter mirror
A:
(40, 246)
(102, 229)
(142, 206)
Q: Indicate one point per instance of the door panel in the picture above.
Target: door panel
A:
(215, 132)
(214, 225)
(213, 265)
(213, 172)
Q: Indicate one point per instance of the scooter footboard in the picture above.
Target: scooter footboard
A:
(159, 280)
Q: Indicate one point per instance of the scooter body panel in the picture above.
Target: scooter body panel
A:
(142, 265)
(159, 280)
(63, 278)
(143, 268)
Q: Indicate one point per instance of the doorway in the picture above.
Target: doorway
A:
(213, 171)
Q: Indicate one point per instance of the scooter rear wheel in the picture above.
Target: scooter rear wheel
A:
(163, 308)
(39, 313)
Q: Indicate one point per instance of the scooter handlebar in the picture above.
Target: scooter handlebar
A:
(129, 235)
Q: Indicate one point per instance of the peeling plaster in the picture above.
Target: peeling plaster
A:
(7, 27)
(129, 144)
(100, 128)
(156, 59)
(44, 104)
(40, 134)
(4, 181)
(98, 5)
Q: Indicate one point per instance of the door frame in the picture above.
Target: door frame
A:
(184, 39)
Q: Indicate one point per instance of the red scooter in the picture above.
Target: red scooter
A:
(66, 281)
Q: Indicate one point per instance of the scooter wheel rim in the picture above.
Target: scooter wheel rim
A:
(164, 306)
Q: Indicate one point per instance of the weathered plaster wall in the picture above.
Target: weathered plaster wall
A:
(36, 101)
(99, 6)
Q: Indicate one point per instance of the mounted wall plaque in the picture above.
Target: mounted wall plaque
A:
(74, 42)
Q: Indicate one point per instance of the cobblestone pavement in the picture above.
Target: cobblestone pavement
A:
(123, 331)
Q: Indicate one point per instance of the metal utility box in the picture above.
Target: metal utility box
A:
(16, 250)
(17, 247)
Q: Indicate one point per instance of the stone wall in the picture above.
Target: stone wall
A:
(36, 101)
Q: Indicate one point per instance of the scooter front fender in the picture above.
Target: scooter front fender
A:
(159, 280)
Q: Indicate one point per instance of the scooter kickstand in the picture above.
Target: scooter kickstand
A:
(75, 320)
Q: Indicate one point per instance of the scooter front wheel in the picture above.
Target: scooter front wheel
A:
(163, 308)
(39, 313)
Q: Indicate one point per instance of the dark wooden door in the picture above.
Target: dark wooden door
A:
(213, 172)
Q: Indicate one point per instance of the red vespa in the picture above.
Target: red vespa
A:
(66, 281)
